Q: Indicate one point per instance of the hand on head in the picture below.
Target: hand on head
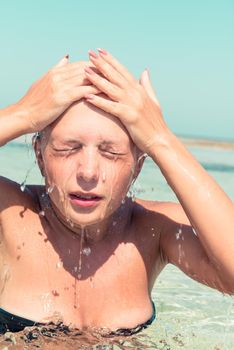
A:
(52, 94)
(133, 102)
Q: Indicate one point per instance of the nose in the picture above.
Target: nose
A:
(88, 167)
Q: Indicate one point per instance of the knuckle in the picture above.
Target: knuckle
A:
(139, 104)
(132, 114)
(113, 92)
(54, 77)
(115, 108)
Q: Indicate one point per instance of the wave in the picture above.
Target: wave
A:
(224, 168)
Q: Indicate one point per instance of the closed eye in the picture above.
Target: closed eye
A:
(111, 154)
(67, 150)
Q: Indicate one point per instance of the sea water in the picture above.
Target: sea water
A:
(189, 315)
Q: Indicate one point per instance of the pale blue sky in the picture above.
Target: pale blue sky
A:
(187, 45)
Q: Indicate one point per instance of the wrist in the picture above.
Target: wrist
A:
(162, 142)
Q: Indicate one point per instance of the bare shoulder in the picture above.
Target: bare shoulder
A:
(12, 196)
(171, 210)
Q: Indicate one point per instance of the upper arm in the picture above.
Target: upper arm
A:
(181, 246)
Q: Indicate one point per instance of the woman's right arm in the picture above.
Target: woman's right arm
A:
(46, 100)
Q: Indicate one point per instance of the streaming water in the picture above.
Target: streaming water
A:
(189, 316)
(80, 253)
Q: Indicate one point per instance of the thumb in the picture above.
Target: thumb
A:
(145, 82)
(63, 61)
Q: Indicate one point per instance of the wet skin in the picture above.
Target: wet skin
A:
(42, 234)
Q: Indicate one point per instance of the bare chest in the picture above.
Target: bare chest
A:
(83, 284)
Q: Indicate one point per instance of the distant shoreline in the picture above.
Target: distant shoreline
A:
(207, 143)
(188, 141)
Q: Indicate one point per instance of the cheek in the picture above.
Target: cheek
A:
(119, 178)
(58, 171)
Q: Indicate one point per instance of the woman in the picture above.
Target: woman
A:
(94, 254)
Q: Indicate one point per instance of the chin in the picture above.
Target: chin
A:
(86, 219)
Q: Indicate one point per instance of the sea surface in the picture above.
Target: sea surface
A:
(189, 315)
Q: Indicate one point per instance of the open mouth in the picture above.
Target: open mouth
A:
(84, 199)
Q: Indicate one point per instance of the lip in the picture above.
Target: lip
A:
(85, 199)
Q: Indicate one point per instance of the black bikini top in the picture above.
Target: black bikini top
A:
(14, 323)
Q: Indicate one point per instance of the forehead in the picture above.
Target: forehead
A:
(86, 122)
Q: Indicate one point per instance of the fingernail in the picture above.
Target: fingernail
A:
(89, 70)
(102, 51)
(89, 97)
(93, 54)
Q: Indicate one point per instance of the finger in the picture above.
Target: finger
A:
(71, 70)
(82, 91)
(75, 66)
(74, 73)
(63, 61)
(117, 65)
(75, 80)
(103, 85)
(105, 104)
(145, 82)
(107, 70)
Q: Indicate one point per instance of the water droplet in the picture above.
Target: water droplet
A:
(86, 251)
(132, 194)
(75, 269)
(103, 176)
(50, 189)
(123, 201)
(59, 264)
(179, 233)
(42, 213)
(70, 222)
(114, 223)
(79, 276)
(22, 186)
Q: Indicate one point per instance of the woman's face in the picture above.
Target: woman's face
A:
(89, 162)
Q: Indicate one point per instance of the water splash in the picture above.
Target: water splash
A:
(46, 302)
(50, 189)
(23, 184)
(70, 222)
(80, 255)
(86, 251)
(179, 233)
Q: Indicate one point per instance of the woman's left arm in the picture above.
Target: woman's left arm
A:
(209, 210)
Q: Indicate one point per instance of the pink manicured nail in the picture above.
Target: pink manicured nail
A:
(93, 54)
(102, 51)
(89, 97)
(89, 70)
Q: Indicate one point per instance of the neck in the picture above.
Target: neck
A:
(94, 232)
